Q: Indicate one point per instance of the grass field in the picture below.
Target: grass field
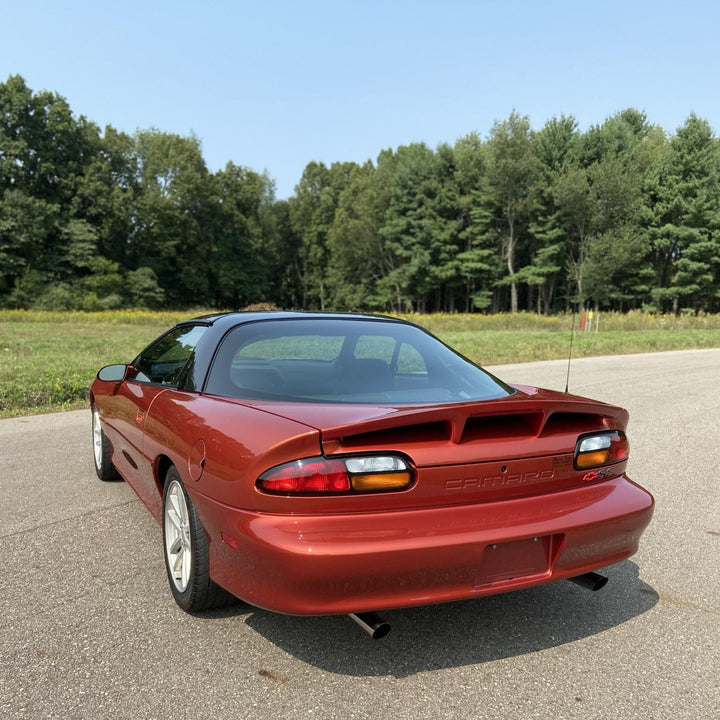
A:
(48, 360)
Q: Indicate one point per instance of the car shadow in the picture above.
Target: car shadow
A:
(460, 633)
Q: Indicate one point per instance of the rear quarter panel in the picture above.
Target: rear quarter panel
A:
(220, 446)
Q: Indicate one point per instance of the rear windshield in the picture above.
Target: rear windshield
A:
(345, 361)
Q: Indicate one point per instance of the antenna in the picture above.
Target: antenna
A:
(572, 334)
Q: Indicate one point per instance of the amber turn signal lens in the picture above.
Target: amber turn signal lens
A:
(592, 459)
(384, 481)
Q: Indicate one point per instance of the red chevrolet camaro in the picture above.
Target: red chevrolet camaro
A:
(320, 463)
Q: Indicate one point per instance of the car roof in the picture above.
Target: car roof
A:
(230, 319)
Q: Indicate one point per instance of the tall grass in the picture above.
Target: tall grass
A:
(101, 318)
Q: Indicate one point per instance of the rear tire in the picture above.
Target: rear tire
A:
(187, 559)
(104, 468)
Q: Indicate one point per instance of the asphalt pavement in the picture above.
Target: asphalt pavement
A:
(88, 628)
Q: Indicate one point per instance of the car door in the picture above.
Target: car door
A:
(158, 369)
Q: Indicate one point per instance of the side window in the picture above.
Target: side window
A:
(163, 362)
(410, 361)
(381, 347)
(375, 347)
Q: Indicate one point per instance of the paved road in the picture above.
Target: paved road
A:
(88, 627)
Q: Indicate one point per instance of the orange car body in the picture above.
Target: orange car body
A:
(495, 501)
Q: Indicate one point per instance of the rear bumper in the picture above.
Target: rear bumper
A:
(326, 564)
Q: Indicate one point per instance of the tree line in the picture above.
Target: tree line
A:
(621, 216)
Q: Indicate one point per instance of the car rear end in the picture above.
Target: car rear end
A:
(413, 505)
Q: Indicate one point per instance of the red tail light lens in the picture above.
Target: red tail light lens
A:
(375, 473)
(600, 449)
(314, 475)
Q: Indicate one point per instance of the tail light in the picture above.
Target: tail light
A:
(363, 473)
(600, 449)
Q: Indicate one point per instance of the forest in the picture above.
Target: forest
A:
(624, 215)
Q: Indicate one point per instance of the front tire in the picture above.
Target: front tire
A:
(104, 468)
(187, 559)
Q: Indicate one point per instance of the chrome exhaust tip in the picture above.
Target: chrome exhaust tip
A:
(372, 624)
(590, 581)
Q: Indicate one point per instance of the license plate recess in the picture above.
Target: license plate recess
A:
(517, 559)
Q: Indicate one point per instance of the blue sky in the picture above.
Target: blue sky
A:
(273, 85)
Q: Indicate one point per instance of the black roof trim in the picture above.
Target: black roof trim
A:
(241, 317)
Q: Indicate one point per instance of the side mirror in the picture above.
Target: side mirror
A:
(113, 373)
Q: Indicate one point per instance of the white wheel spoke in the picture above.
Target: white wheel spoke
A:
(174, 502)
(186, 568)
(178, 563)
(176, 546)
(174, 519)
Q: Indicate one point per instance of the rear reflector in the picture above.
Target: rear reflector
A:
(229, 540)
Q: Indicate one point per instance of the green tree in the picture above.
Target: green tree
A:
(143, 289)
(555, 147)
(684, 229)
(286, 267)
(479, 264)
(174, 216)
(107, 195)
(608, 270)
(573, 194)
(43, 147)
(357, 256)
(312, 213)
(43, 150)
(27, 226)
(243, 240)
(599, 196)
(512, 171)
(416, 229)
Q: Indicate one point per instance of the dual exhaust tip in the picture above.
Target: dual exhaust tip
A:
(377, 628)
